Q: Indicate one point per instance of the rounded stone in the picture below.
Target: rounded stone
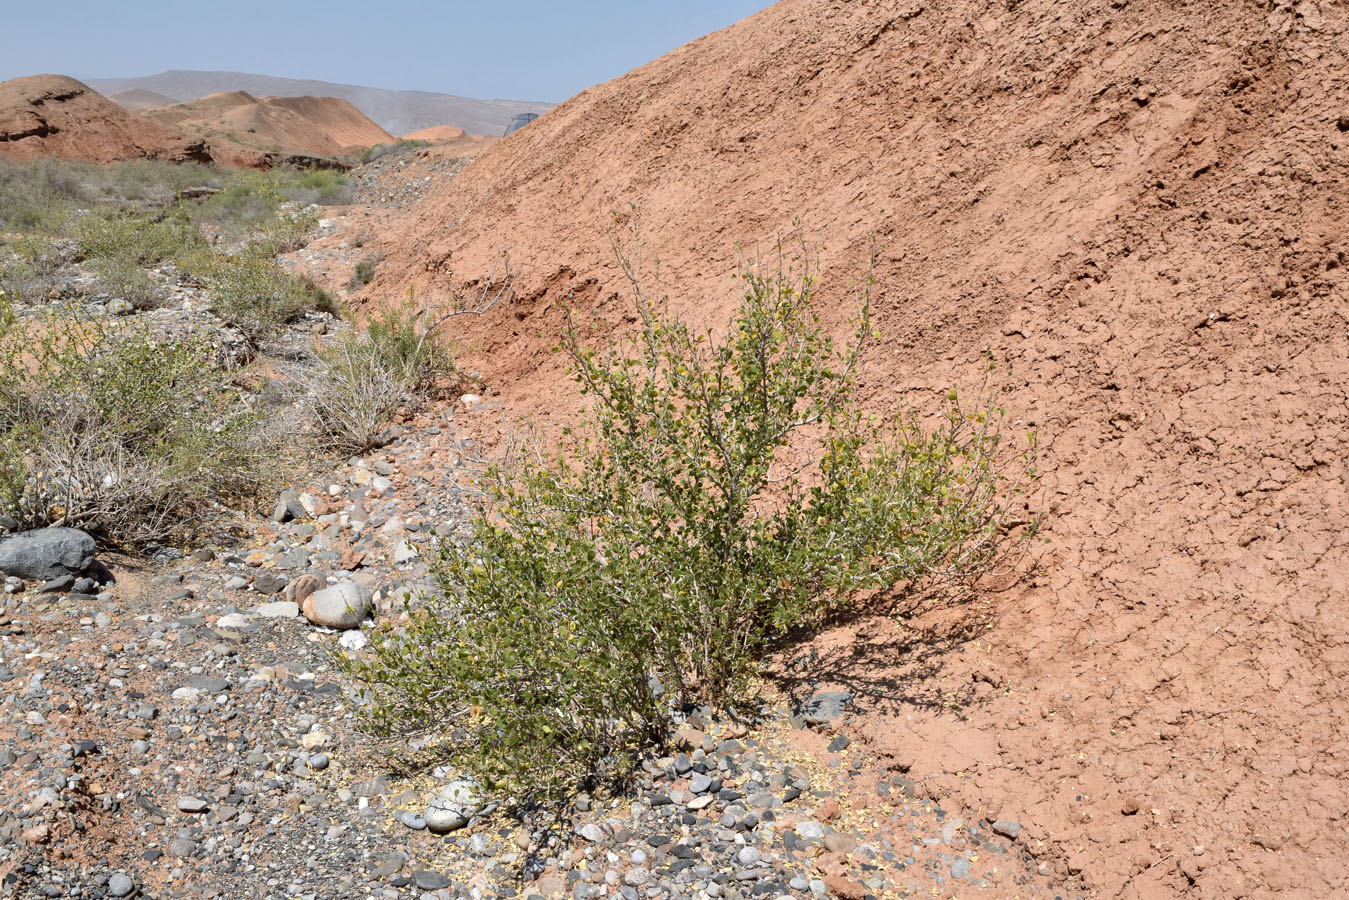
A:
(344, 605)
(119, 885)
(457, 802)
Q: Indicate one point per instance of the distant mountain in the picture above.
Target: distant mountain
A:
(398, 112)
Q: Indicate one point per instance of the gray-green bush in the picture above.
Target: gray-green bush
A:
(677, 535)
(111, 429)
(366, 378)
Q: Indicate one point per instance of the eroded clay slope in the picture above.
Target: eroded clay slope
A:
(52, 115)
(1140, 208)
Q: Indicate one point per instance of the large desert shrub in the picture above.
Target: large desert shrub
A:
(679, 532)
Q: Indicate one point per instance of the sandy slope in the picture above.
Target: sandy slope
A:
(436, 133)
(1140, 209)
(52, 115)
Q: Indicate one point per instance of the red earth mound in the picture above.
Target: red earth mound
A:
(435, 133)
(1139, 208)
(318, 126)
(52, 115)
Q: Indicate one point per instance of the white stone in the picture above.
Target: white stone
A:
(281, 609)
(810, 830)
(457, 802)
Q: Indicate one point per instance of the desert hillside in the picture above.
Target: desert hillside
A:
(396, 111)
(1139, 209)
(320, 126)
(435, 133)
(56, 116)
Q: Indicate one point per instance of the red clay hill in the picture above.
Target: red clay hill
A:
(243, 124)
(52, 115)
(1140, 209)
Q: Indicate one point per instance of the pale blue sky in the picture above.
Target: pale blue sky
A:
(510, 49)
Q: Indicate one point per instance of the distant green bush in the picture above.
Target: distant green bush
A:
(120, 220)
(370, 154)
(651, 560)
(124, 279)
(323, 186)
(28, 267)
(250, 291)
(364, 273)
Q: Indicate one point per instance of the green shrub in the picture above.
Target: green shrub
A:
(250, 206)
(116, 431)
(122, 278)
(364, 274)
(323, 186)
(239, 210)
(254, 294)
(128, 237)
(28, 267)
(317, 297)
(676, 537)
(363, 381)
(40, 196)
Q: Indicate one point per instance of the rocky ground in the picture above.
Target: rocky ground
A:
(183, 732)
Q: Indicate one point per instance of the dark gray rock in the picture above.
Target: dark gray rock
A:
(823, 707)
(46, 553)
(1007, 828)
(288, 507)
(429, 881)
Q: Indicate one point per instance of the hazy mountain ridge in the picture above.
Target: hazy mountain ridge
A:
(398, 112)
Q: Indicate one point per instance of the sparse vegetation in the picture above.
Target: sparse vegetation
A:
(121, 219)
(370, 154)
(105, 425)
(364, 380)
(364, 272)
(721, 493)
(255, 295)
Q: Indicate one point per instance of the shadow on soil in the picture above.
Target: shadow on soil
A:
(890, 653)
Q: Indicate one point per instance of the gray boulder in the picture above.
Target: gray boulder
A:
(46, 553)
(344, 605)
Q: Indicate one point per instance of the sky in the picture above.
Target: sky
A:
(506, 49)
